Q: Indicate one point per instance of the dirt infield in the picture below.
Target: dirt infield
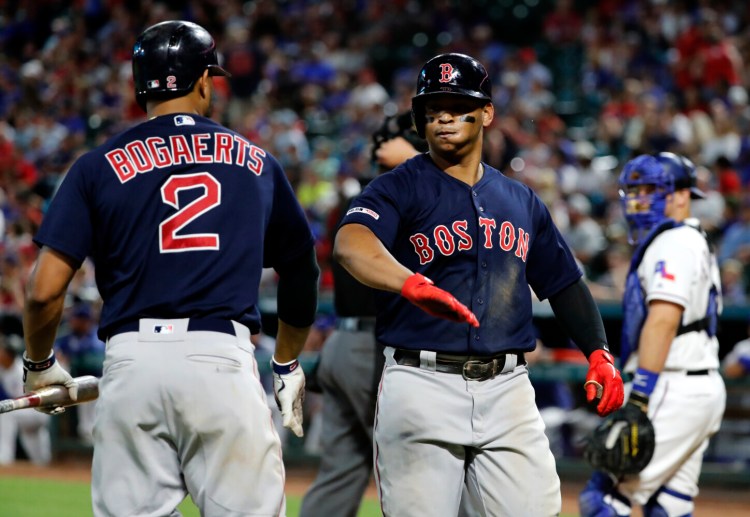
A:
(711, 503)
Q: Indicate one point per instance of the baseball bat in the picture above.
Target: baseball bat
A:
(54, 396)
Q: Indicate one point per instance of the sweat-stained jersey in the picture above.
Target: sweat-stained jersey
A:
(152, 209)
(484, 244)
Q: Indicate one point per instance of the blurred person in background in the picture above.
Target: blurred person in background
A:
(351, 362)
(735, 242)
(82, 353)
(30, 428)
(583, 234)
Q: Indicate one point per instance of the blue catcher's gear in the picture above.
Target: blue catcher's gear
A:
(683, 172)
(644, 187)
(456, 74)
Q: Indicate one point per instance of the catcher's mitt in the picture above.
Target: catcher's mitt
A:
(623, 443)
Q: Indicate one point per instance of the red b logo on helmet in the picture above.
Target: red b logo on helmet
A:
(446, 72)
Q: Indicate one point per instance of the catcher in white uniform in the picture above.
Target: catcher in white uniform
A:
(669, 346)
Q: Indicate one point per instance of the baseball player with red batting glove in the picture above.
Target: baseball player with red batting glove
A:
(180, 216)
(453, 246)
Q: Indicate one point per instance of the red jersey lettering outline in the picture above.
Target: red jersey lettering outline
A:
(120, 162)
(140, 156)
(507, 236)
(255, 160)
(422, 247)
(488, 225)
(444, 240)
(522, 250)
(464, 239)
(160, 155)
(180, 150)
(199, 147)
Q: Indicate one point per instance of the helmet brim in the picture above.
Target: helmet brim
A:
(696, 193)
(214, 70)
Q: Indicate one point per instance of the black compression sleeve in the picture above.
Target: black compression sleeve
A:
(297, 294)
(578, 314)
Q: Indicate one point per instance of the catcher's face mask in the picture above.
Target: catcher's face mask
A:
(644, 189)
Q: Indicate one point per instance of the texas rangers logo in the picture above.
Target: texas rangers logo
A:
(661, 268)
(446, 72)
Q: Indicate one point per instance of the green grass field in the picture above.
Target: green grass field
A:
(31, 497)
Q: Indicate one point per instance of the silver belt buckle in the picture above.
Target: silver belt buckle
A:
(479, 371)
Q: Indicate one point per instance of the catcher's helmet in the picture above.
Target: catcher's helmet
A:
(456, 74)
(683, 172)
(644, 210)
(169, 57)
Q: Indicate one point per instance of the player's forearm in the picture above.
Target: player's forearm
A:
(362, 254)
(45, 298)
(40, 323)
(577, 312)
(657, 334)
(653, 346)
(289, 342)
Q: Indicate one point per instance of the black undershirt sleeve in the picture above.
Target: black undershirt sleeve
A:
(578, 314)
(297, 294)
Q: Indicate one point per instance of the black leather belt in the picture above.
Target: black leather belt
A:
(697, 372)
(194, 324)
(471, 367)
(354, 324)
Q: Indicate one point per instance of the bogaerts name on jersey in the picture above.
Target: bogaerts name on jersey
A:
(141, 156)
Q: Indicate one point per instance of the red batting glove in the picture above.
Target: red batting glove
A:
(421, 291)
(603, 381)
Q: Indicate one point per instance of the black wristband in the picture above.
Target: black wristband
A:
(38, 366)
(639, 400)
(284, 368)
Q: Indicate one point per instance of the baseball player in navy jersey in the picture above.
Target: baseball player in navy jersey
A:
(670, 310)
(453, 247)
(180, 215)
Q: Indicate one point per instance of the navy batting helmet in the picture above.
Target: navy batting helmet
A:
(456, 74)
(169, 57)
(683, 172)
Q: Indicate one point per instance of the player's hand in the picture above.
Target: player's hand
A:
(422, 292)
(603, 382)
(289, 392)
(393, 152)
(38, 374)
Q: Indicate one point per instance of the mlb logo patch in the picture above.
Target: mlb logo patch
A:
(362, 210)
(163, 329)
(152, 84)
(184, 120)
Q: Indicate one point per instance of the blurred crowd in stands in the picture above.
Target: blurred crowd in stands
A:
(579, 87)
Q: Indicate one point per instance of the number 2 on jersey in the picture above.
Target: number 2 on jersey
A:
(169, 240)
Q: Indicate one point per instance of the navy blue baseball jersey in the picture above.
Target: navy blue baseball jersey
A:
(484, 244)
(168, 211)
